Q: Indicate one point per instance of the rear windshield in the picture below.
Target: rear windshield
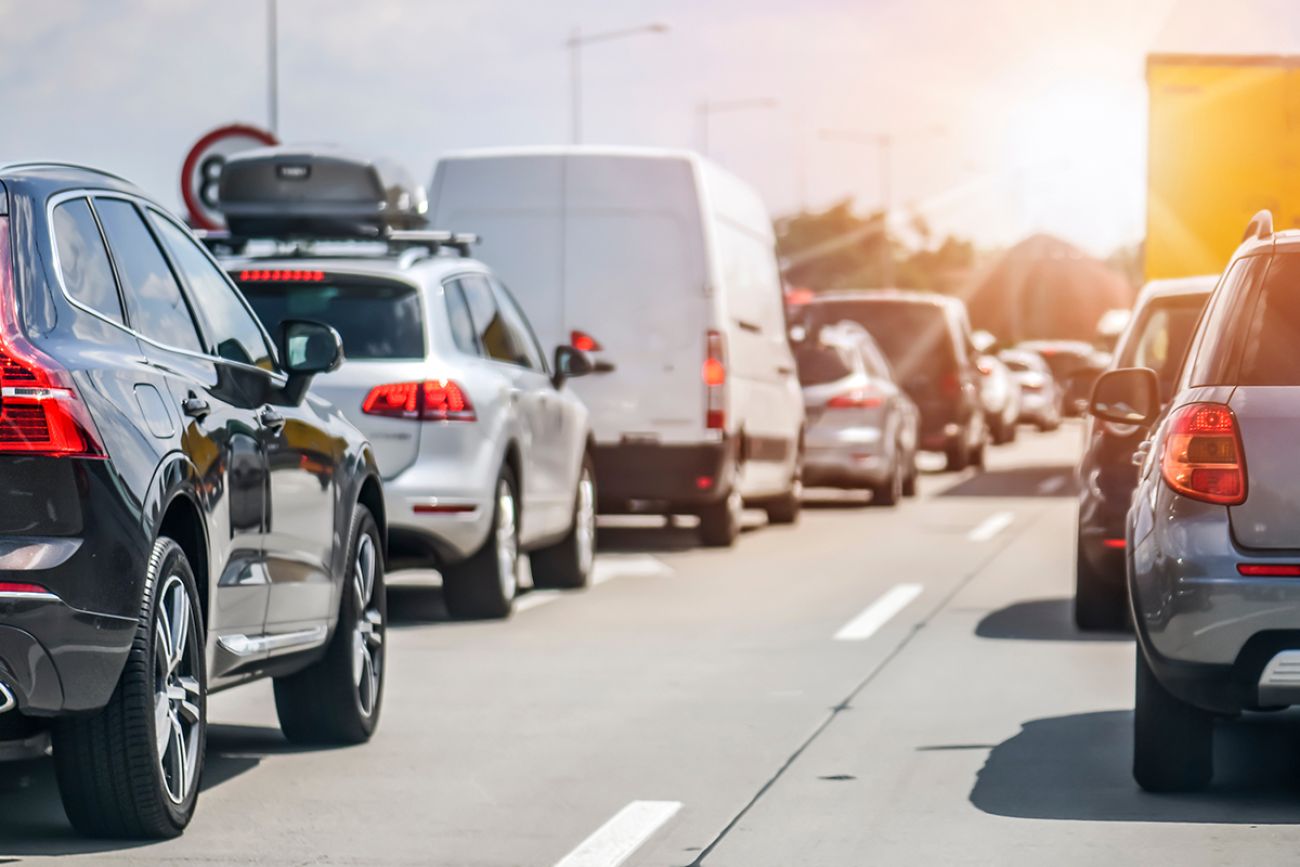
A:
(1160, 339)
(819, 364)
(1272, 342)
(1062, 362)
(377, 319)
(914, 337)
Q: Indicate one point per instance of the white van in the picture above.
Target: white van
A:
(664, 266)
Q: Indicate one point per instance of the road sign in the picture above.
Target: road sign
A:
(201, 170)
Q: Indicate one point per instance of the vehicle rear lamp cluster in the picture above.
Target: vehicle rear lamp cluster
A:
(281, 275)
(584, 342)
(714, 374)
(40, 412)
(858, 398)
(430, 400)
(1203, 458)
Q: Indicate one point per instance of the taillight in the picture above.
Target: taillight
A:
(40, 413)
(1268, 570)
(714, 373)
(858, 398)
(950, 385)
(430, 400)
(584, 342)
(1202, 456)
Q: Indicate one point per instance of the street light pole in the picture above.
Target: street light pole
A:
(272, 68)
(707, 109)
(577, 39)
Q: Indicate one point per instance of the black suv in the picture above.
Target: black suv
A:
(927, 339)
(178, 517)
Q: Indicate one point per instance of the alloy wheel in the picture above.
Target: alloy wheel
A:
(585, 522)
(507, 541)
(368, 634)
(178, 719)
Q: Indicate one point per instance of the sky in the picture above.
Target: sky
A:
(1008, 117)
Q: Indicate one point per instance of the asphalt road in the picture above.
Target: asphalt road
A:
(871, 687)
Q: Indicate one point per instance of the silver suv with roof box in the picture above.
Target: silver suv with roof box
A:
(484, 451)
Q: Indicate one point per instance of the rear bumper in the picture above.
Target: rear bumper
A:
(57, 659)
(668, 476)
(845, 457)
(432, 525)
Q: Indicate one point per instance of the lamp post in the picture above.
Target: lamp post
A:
(575, 43)
(883, 142)
(272, 68)
(706, 109)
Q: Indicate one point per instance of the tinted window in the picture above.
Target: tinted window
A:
(153, 297)
(1218, 341)
(375, 318)
(495, 335)
(1272, 342)
(458, 318)
(530, 351)
(914, 337)
(227, 321)
(83, 260)
(819, 364)
(1159, 341)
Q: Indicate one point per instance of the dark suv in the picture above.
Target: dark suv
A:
(1214, 526)
(927, 339)
(177, 517)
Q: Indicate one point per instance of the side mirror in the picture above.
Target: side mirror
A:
(1130, 395)
(306, 349)
(570, 362)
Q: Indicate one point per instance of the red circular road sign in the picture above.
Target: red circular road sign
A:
(202, 169)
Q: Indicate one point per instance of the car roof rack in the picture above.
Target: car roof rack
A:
(1261, 226)
(431, 241)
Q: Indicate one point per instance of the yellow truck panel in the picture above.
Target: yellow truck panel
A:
(1224, 143)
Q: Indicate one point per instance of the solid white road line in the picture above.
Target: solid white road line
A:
(616, 840)
(991, 526)
(1051, 484)
(877, 614)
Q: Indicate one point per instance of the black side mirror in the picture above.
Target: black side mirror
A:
(570, 362)
(1130, 395)
(306, 349)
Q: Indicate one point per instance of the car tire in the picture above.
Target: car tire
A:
(1010, 430)
(909, 481)
(977, 455)
(485, 585)
(720, 521)
(115, 779)
(1173, 742)
(568, 564)
(958, 456)
(337, 699)
(1098, 605)
(785, 508)
(890, 491)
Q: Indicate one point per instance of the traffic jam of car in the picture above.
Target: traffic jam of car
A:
(286, 476)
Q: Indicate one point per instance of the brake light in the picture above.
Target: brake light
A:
(1202, 456)
(584, 342)
(281, 275)
(40, 413)
(950, 385)
(714, 374)
(23, 588)
(858, 398)
(1268, 570)
(430, 400)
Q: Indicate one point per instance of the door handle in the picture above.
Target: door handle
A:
(271, 420)
(196, 408)
(1140, 454)
(784, 370)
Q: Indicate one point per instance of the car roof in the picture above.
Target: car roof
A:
(915, 296)
(1058, 345)
(1179, 286)
(46, 178)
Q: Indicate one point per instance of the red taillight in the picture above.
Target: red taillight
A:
(1116, 544)
(859, 398)
(584, 342)
(23, 588)
(1268, 570)
(430, 400)
(1202, 456)
(40, 413)
(714, 374)
(950, 385)
(281, 275)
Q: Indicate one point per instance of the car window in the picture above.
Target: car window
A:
(458, 318)
(228, 323)
(1219, 336)
(495, 335)
(1160, 340)
(154, 300)
(916, 338)
(520, 328)
(1270, 355)
(819, 364)
(83, 259)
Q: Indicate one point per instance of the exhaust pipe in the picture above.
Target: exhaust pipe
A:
(7, 700)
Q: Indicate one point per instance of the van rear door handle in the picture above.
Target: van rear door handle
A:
(784, 370)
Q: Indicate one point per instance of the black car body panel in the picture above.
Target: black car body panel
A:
(263, 512)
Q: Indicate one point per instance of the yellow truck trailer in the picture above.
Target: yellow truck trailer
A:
(1224, 143)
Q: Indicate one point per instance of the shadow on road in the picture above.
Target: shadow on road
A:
(834, 498)
(416, 606)
(647, 539)
(1078, 768)
(1040, 620)
(1044, 481)
(32, 821)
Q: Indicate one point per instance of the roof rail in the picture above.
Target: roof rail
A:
(397, 240)
(56, 164)
(1261, 226)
